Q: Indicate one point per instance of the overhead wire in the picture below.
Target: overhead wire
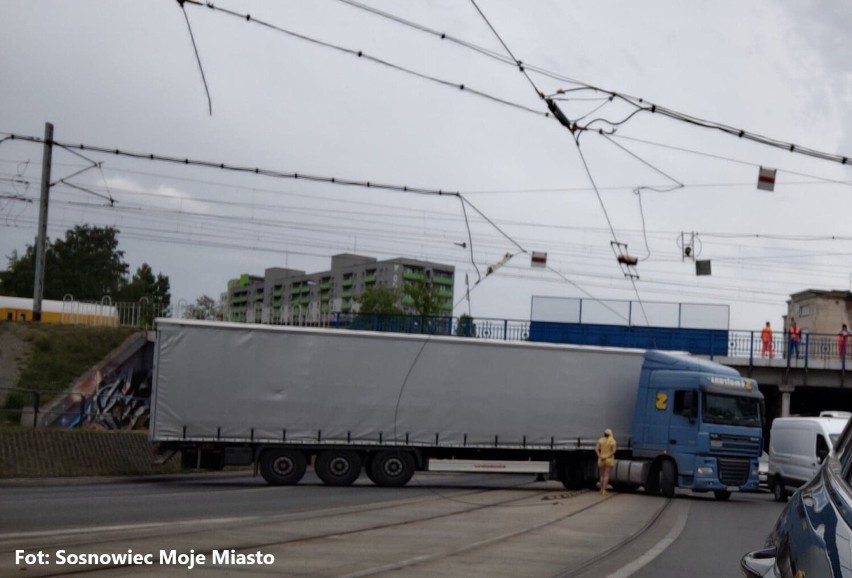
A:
(362, 55)
(640, 104)
(559, 116)
(197, 57)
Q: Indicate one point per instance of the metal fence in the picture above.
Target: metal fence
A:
(811, 347)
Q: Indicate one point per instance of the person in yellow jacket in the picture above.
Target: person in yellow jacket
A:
(605, 448)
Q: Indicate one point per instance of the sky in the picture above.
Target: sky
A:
(290, 95)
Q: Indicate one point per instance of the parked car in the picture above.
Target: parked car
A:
(812, 536)
(797, 448)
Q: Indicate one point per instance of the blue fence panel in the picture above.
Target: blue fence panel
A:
(712, 342)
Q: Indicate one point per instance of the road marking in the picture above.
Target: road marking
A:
(657, 549)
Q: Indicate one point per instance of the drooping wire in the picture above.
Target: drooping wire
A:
(571, 126)
(609, 222)
(583, 86)
(360, 54)
(469, 240)
(284, 175)
(197, 56)
(638, 192)
(641, 105)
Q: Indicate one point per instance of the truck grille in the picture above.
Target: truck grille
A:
(733, 472)
(739, 445)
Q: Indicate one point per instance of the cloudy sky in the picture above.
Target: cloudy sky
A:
(290, 94)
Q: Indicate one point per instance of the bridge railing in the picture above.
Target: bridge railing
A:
(818, 350)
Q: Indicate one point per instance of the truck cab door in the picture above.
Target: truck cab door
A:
(682, 425)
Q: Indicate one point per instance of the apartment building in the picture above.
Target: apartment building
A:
(293, 296)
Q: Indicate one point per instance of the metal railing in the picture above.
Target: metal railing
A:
(826, 350)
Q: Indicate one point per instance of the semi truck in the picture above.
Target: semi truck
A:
(283, 398)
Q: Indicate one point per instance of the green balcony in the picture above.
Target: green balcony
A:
(412, 276)
(447, 281)
(346, 283)
(370, 279)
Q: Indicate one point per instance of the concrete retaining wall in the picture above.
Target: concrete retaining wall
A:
(57, 453)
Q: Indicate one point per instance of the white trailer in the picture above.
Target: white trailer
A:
(282, 397)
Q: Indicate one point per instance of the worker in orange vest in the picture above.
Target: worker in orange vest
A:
(795, 335)
(766, 341)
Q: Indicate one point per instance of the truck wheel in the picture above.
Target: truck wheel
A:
(668, 479)
(779, 491)
(391, 468)
(338, 467)
(282, 467)
(722, 495)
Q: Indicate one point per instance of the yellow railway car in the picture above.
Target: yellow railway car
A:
(65, 312)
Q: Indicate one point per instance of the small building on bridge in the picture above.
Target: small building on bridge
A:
(817, 311)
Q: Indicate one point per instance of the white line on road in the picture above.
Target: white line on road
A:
(658, 548)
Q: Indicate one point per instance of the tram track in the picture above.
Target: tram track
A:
(299, 537)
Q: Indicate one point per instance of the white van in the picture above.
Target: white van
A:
(798, 446)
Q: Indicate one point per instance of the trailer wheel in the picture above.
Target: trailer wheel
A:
(282, 467)
(668, 479)
(391, 469)
(338, 467)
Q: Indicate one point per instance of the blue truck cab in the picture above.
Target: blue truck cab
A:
(696, 425)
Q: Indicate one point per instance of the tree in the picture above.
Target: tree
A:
(17, 280)
(466, 327)
(205, 308)
(426, 301)
(152, 293)
(86, 264)
(379, 301)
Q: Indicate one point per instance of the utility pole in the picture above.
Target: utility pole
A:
(41, 240)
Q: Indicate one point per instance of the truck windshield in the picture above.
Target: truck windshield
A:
(730, 410)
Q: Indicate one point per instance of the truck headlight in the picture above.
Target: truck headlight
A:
(704, 470)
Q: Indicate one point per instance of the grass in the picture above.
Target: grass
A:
(60, 354)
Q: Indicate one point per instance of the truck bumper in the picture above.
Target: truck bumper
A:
(707, 477)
